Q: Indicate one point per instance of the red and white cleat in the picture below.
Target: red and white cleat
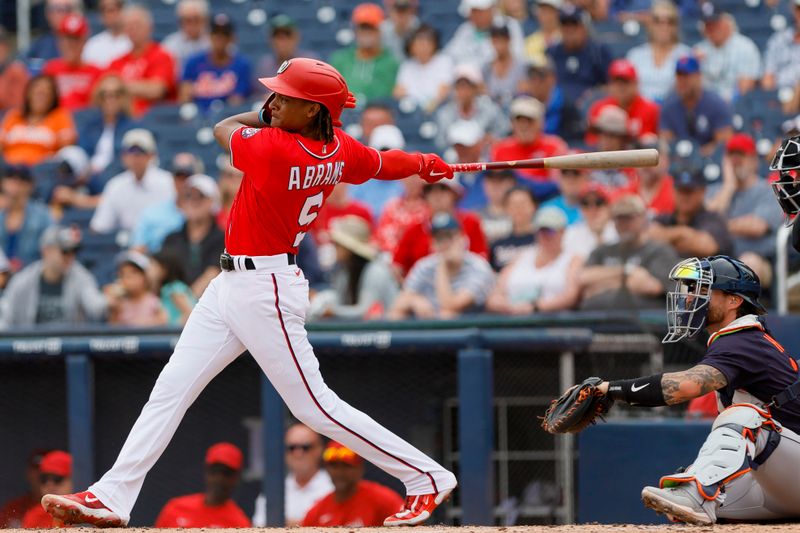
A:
(417, 509)
(81, 508)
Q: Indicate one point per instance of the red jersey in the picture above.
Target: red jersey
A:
(368, 507)
(663, 202)
(287, 178)
(192, 511)
(398, 215)
(74, 82)
(545, 145)
(416, 242)
(643, 116)
(37, 518)
(12, 511)
(153, 64)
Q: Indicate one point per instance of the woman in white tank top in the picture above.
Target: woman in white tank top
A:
(542, 278)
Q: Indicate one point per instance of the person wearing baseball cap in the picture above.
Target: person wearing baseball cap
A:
(692, 230)
(214, 507)
(221, 74)
(354, 502)
(693, 112)
(731, 61)
(369, 68)
(12, 511)
(623, 92)
(449, 282)
(131, 301)
(471, 42)
(632, 273)
(595, 226)
(74, 77)
(527, 140)
(283, 44)
(746, 200)
(401, 22)
(55, 477)
(20, 241)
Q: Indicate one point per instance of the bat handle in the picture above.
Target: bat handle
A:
(468, 167)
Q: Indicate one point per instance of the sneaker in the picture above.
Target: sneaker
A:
(81, 508)
(681, 504)
(417, 509)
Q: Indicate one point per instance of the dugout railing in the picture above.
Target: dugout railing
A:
(471, 390)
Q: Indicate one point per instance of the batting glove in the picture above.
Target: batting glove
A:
(434, 168)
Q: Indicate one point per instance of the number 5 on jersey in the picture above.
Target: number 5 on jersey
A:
(308, 213)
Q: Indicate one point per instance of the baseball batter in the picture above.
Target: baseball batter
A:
(292, 156)
(749, 466)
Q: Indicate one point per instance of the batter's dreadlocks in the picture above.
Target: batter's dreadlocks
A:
(323, 125)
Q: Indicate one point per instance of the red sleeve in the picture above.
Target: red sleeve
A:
(312, 516)
(654, 115)
(250, 147)
(408, 248)
(363, 163)
(240, 519)
(398, 165)
(390, 503)
(162, 67)
(166, 518)
(477, 240)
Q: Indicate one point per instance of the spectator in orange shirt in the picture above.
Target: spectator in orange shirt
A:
(74, 78)
(40, 128)
(527, 141)
(623, 92)
(13, 75)
(12, 511)
(214, 507)
(148, 70)
(55, 477)
(354, 501)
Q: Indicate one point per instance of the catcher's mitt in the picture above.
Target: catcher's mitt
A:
(577, 408)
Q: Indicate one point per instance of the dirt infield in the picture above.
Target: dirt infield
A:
(584, 528)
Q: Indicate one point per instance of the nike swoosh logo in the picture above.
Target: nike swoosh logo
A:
(436, 174)
(634, 388)
(90, 499)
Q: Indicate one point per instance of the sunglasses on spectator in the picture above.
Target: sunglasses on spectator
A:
(305, 448)
(593, 203)
(665, 20)
(50, 478)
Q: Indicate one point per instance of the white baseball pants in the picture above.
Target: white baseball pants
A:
(262, 311)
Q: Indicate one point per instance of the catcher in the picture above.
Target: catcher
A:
(749, 466)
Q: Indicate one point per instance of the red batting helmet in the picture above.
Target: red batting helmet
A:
(313, 80)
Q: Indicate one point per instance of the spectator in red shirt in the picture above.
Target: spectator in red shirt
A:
(611, 128)
(655, 184)
(401, 213)
(527, 140)
(337, 205)
(12, 511)
(441, 197)
(75, 78)
(148, 70)
(623, 92)
(55, 477)
(214, 507)
(354, 501)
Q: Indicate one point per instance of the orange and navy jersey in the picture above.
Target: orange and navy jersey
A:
(287, 178)
(753, 361)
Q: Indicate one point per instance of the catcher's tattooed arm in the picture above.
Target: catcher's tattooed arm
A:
(676, 387)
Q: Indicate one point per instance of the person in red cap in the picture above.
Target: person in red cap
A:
(12, 511)
(75, 78)
(148, 69)
(293, 153)
(55, 477)
(354, 501)
(623, 91)
(214, 507)
(746, 200)
(369, 68)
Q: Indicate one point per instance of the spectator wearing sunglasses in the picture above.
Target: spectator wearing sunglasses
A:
(55, 477)
(595, 226)
(214, 507)
(306, 483)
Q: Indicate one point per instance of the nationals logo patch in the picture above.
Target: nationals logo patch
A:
(249, 132)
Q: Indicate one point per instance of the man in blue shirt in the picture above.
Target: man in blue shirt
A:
(220, 74)
(581, 63)
(694, 113)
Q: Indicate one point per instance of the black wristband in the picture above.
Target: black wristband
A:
(645, 391)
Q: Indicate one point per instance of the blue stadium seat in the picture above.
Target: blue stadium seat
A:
(77, 217)
(98, 251)
(45, 179)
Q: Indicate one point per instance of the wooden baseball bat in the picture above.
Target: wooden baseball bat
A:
(647, 157)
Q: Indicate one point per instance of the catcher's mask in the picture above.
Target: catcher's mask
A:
(695, 278)
(787, 190)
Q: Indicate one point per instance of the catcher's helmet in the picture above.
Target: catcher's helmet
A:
(687, 305)
(313, 80)
(787, 162)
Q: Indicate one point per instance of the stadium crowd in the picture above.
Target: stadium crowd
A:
(103, 218)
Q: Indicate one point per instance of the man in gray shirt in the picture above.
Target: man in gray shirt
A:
(55, 290)
(448, 283)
